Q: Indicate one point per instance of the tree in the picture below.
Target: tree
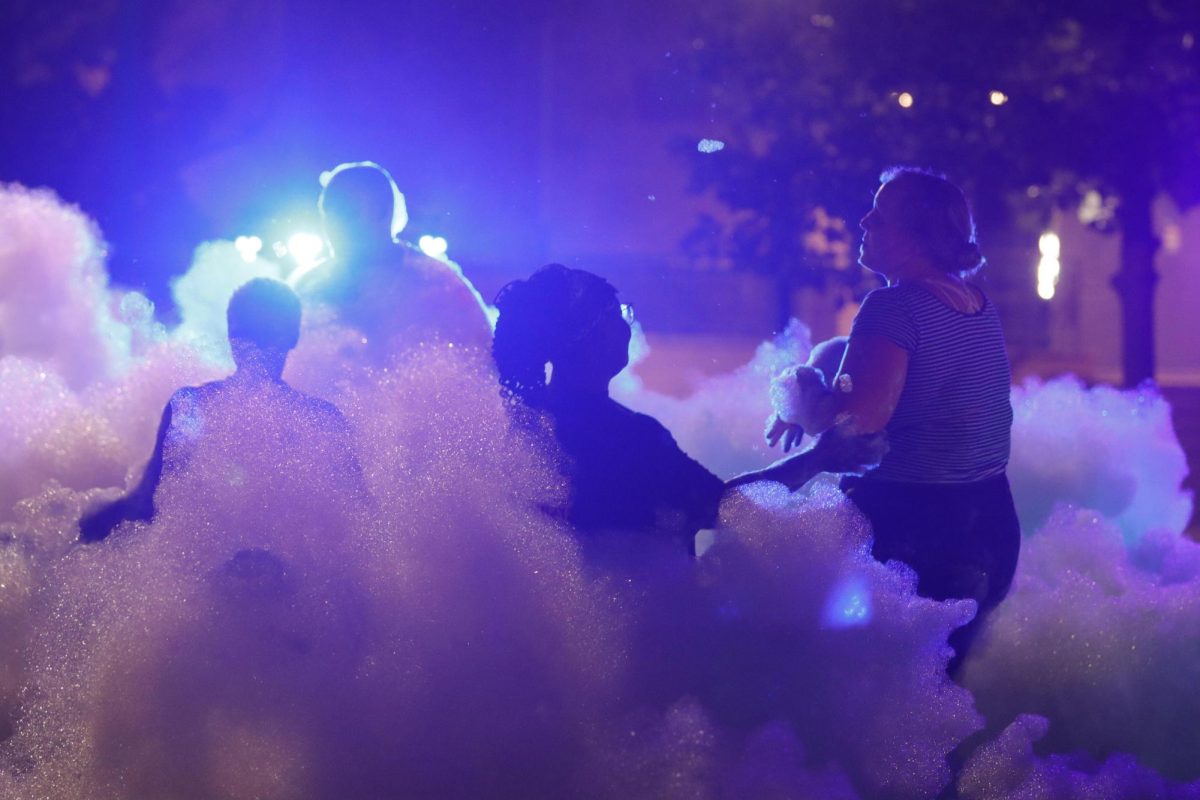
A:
(1027, 104)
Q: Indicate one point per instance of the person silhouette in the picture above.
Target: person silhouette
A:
(561, 337)
(386, 289)
(926, 363)
(264, 326)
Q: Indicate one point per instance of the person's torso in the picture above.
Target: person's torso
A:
(953, 421)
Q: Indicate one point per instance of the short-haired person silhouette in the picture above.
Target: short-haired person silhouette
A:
(264, 326)
(388, 290)
(625, 470)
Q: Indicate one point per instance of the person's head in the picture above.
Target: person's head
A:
(264, 324)
(568, 318)
(361, 208)
(919, 221)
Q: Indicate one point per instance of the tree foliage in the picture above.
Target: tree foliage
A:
(1026, 103)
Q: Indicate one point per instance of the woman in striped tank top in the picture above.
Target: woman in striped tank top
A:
(926, 363)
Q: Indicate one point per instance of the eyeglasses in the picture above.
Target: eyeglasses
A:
(627, 313)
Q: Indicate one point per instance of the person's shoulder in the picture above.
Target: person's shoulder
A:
(896, 297)
(315, 406)
(895, 293)
(647, 426)
(190, 395)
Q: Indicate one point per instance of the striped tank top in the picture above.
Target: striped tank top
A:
(953, 421)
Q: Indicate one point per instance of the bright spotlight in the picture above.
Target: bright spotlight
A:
(905, 100)
(1049, 267)
(305, 248)
(433, 246)
(248, 247)
(998, 98)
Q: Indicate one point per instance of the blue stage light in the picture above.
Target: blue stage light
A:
(849, 604)
(305, 248)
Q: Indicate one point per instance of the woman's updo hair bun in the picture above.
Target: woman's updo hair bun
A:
(541, 319)
(937, 214)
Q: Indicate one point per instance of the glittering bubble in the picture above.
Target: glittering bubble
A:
(426, 628)
(710, 145)
(1099, 638)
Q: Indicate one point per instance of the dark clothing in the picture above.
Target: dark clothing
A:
(953, 421)
(962, 540)
(627, 473)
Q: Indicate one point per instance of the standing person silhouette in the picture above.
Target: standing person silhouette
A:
(264, 326)
(388, 290)
(926, 363)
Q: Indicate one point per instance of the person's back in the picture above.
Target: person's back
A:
(627, 473)
(953, 419)
(397, 296)
(251, 422)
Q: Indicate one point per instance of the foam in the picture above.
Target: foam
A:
(274, 632)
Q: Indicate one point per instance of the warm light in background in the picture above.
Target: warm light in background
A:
(905, 100)
(1049, 267)
(998, 98)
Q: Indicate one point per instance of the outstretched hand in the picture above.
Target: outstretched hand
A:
(841, 450)
(787, 432)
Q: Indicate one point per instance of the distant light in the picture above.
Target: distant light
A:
(1096, 209)
(1049, 267)
(305, 248)
(905, 100)
(248, 247)
(1172, 237)
(710, 145)
(822, 21)
(433, 246)
(1189, 41)
(1050, 245)
(280, 249)
(849, 604)
(998, 98)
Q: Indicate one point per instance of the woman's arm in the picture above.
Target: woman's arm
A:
(876, 370)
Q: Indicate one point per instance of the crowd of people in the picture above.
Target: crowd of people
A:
(913, 407)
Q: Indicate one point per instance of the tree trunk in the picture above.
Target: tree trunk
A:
(1134, 283)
